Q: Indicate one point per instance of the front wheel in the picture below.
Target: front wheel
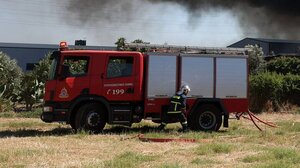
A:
(207, 118)
(91, 117)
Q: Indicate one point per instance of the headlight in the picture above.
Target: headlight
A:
(48, 109)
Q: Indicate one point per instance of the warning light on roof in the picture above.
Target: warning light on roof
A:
(63, 45)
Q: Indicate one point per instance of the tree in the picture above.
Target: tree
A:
(138, 41)
(121, 43)
(256, 61)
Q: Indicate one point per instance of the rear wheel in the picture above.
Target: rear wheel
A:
(207, 118)
(90, 117)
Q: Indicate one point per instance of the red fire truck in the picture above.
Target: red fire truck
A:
(89, 88)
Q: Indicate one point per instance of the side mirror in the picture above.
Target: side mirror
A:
(65, 71)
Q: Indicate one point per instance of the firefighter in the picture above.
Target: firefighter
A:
(177, 109)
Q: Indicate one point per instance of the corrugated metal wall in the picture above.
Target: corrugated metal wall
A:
(29, 54)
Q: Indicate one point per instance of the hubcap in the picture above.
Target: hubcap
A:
(207, 120)
(93, 119)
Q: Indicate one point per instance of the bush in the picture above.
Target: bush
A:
(291, 89)
(264, 87)
(27, 90)
(16, 86)
(277, 89)
(5, 105)
(10, 74)
(284, 65)
(33, 84)
(40, 72)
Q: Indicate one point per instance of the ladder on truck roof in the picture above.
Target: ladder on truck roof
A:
(186, 49)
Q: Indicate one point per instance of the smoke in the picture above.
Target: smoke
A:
(267, 18)
(270, 18)
(108, 20)
(93, 11)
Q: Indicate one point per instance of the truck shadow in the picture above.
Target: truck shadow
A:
(35, 133)
(116, 130)
(123, 130)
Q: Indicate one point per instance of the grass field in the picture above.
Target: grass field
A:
(28, 142)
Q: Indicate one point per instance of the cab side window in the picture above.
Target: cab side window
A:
(78, 66)
(119, 67)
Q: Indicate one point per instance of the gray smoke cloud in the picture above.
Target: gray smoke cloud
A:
(269, 18)
(94, 11)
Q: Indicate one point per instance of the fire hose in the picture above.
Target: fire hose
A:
(252, 117)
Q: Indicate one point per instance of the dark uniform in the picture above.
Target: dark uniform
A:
(176, 110)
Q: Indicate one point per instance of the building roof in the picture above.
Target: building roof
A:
(48, 46)
(27, 45)
(275, 40)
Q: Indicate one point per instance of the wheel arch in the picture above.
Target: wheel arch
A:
(210, 101)
(82, 100)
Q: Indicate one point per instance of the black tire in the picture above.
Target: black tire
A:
(207, 118)
(91, 118)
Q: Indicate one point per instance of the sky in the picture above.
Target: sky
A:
(50, 21)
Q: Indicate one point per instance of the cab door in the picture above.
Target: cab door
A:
(119, 78)
(77, 80)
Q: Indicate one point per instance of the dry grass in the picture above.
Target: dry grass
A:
(32, 143)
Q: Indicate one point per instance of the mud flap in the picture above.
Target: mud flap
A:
(225, 121)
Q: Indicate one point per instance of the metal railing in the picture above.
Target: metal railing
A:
(186, 49)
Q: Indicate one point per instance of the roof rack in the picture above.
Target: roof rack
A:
(186, 49)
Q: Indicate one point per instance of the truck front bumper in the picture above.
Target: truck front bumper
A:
(51, 114)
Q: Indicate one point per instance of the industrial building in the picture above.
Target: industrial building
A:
(272, 47)
(27, 55)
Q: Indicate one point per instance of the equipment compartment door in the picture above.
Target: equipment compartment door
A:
(231, 78)
(198, 73)
(162, 76)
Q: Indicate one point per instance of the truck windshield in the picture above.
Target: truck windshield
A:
(52, 70)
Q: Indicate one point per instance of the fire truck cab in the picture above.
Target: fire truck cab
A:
(89, 88)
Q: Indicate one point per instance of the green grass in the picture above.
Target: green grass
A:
(14, 156)
(274, 147)
(3, 158)
(35, 113)
(298, 111)
(200, 161)
(214, 148)
(26, 152)
(128, 159)
(286, 155)
(255, 158)
(22, 124)
(289, 126)
(275, 157)
(171, 165)
(81, 134)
